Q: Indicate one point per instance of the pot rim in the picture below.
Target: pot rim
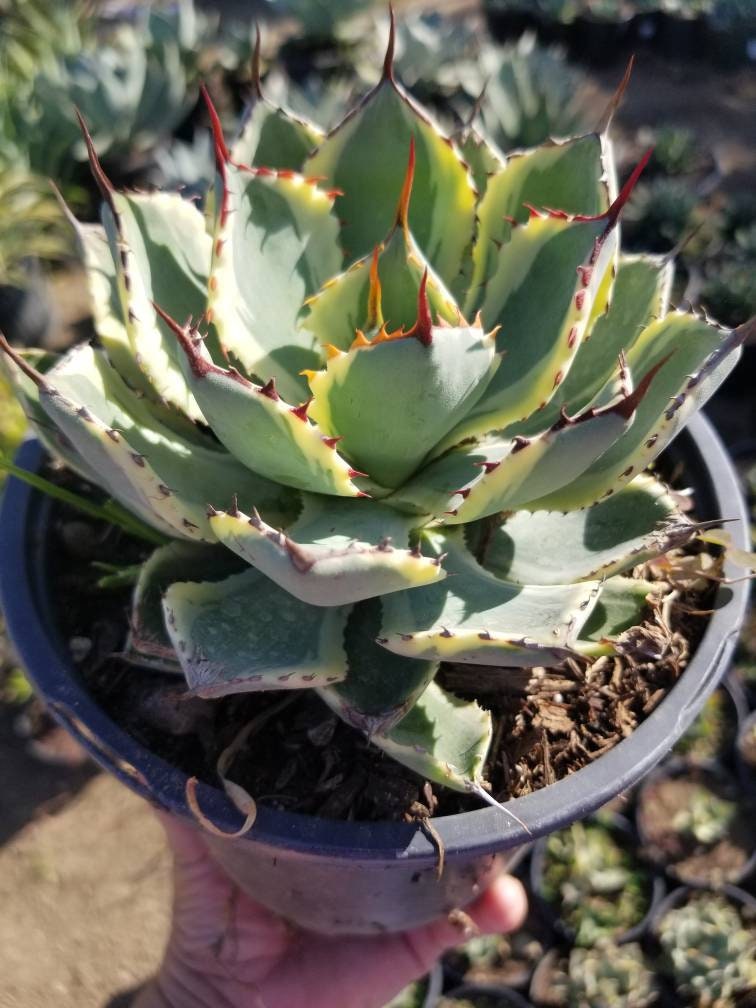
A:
(28, 614)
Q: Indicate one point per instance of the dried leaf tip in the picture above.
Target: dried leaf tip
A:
(616, 100)
(402, 210)
(222, 156)
(103, 182)
(256, 60)
(388, 60)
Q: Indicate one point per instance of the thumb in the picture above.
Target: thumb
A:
(501, 908)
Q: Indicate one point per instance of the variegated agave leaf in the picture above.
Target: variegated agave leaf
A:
(388, 420)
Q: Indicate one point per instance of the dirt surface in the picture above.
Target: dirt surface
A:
(84, 894)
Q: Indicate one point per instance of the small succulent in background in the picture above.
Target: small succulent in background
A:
(606, 976)
(709, 951)
(34, 34)
(676, 151)
(187, 167)
(33, 226)
(661, 213)
(320, 20)
(504, 959)
(713, 732)
(133, 76)
(706, 818)
(382, 382)
(594, 883)
(532, 94)
(728, 291)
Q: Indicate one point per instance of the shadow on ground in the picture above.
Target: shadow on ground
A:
(30, 788)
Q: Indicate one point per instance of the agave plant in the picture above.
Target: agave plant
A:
(388, 420)
(134, 79)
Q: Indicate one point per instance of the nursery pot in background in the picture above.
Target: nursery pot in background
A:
(362, 877)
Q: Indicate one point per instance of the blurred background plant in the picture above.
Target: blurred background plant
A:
(709, 951)
(615, 976)
(594, 883)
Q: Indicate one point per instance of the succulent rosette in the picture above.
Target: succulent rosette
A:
(392, 397)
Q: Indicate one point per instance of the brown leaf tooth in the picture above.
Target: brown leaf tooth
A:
(445, 632)
(533, 211)
(234, 511)
(353, 473)
(627, 406)
(360, 340)
(301, 410)
(269, 390)
(464, 492)
(440, 559)
(300, 559)
(485, 635)
(416, 551)
(188, 342)
(331, 442)
(211, 512)
(388, 60)
(487, 466)
(254, 519)
(385, 544)
(519, 442)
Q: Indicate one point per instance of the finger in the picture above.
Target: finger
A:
(501, 908)
(368, 972)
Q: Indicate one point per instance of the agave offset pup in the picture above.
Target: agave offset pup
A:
(430, 404)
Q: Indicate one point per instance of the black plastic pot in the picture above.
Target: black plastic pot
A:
(508, 23)
(711, 774)
(744, 755)
(340, 877)
(596, 41)
(25, 314)
(503, 997)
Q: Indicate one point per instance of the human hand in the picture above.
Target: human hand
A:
(225, 951)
